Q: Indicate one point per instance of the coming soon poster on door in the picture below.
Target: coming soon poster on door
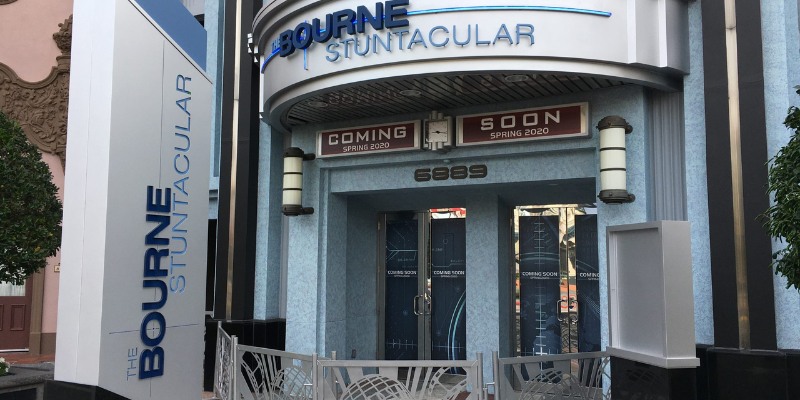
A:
(588, 283)
(401, 289)
(539, 291)
(448, 287)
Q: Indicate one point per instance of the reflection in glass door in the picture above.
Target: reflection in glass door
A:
(424, 297)
(402, 287)
(558, 297)
(448, 283)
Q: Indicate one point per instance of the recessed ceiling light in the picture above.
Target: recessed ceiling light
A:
(516, 78)
(411, 92)
(317, 104)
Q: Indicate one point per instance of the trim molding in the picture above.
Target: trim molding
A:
(730, 298)
(41, 107)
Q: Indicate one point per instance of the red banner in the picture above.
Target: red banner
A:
(369, 139)
(530, 124)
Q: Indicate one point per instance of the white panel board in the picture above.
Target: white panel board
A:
(651, 307)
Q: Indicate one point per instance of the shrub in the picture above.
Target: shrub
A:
(30, 213)
(783, 218)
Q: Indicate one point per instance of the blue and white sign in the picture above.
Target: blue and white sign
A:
(306, 47)
(131, 301)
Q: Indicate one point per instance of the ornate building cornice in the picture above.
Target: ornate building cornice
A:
(63, 37)
(41, 107)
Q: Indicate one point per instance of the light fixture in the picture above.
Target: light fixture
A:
(317, 104)
(293, 158)
(613, 172)
(516, 78)
(411, 93)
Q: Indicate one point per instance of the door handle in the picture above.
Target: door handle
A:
(428, 303)
(559, 314)
(573, 315)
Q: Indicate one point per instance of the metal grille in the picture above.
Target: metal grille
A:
(224, 365)
(439, 92)
(400, 380)
(266, 374)
(584, 376)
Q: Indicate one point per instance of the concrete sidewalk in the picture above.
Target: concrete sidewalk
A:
(30, 370)
(27, 358)
(25, 381)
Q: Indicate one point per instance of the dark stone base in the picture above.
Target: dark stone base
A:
(793, 371)
(270, 334)
(634, 380)
(25, 382)
(57, 390)
(702, 372)
(735, 374)
(25, 394)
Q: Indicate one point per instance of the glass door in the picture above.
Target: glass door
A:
(558, 293)
(404, 296)
(423, 261)
(448, 284)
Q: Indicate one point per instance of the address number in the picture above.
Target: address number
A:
(456, 172)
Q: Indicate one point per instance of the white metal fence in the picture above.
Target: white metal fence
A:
(253, 373)
(402, 380)
(561, 376)
(224, 376)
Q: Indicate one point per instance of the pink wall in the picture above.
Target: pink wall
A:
(27, 47)
(50, 306)
(27, 28)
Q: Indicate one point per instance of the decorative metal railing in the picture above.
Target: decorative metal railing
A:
(253, 373)
(224, 376)
(402, 380)
(266, 374)
(562, 376)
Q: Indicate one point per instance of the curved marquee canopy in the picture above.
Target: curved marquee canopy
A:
(331, 60)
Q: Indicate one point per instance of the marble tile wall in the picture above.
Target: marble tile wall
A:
(362, 318)
(696, 185)
(781, 37)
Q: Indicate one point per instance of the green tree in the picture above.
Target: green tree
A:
(783, 218)
(30, 213)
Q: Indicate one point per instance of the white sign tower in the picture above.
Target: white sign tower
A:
(131, 301)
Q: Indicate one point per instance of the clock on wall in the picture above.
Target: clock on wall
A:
(438, 130)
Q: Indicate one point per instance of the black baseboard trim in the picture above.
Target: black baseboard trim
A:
(735, 374)
(793, 371)
(634, 380)
(58, 390)
(23, 394)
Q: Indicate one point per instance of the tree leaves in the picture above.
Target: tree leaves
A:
(30, 213)
(783, 218)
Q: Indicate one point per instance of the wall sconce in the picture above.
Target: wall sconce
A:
(613, 172)
(293, 158)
